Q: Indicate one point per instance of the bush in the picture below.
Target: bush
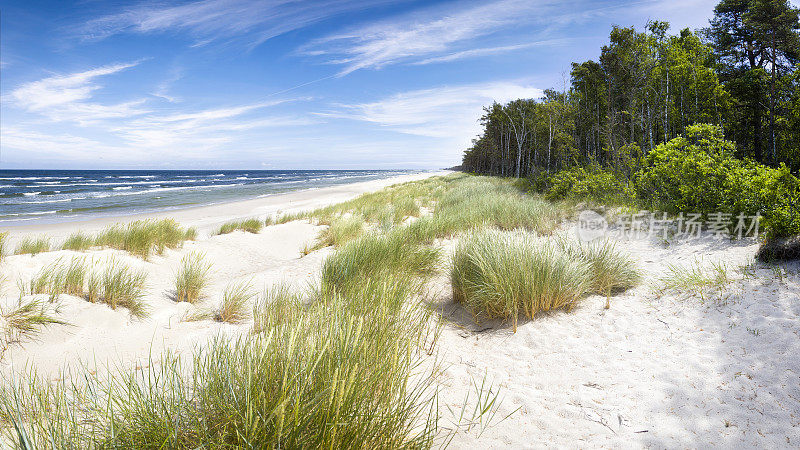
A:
(689, 173)
(592, 183)
(697, 173)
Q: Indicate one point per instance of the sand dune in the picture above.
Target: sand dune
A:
(656, 369)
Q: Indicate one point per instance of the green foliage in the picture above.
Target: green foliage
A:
(25, 319)
(592, 183)
(698, 173)
(689, 173)
(235, 299)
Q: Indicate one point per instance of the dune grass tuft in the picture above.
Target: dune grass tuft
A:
(695, 278)
(121, 285)
(235, 306)
(143, 237)
(372, 256)
(341, 231)
(192, 278)
(33, 246)
(498, 274)
(3, 244)
(26, 318)
(612, 270)
(331, 377)
(78, 241)
(248, 225)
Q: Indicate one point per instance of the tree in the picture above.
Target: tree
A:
(775, 24)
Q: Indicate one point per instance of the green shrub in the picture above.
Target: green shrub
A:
(698, 174)
(689, 173)
(592, 183)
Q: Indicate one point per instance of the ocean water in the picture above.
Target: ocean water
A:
(47, 196)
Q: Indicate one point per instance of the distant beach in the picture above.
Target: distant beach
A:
(50, 196)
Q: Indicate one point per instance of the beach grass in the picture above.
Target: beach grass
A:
(695, 278)
(236, 304)
(374, 256)
(78, 241)
(498, 274)
(3, 244)
(249, 225)
(334, 376)
(33, 246)
(612, 270)
(342, 230)
(142, 238)
(25, 319)
(123, 286)
(192, 278)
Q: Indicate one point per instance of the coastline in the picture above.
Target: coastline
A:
(208, 217)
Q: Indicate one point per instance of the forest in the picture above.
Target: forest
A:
(741, 73)
(739, 77)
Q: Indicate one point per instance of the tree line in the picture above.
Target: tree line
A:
(742, 73)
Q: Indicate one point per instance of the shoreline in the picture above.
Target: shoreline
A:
(208, 217)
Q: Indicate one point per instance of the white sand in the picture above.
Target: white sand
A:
(651, 371)
(661, 372)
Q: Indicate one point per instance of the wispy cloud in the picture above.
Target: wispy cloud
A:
(65, 97)
(488, 51)
(206, 128)
(421, 35)
(449, 112)
(209, 21)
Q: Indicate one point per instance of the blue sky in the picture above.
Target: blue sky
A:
(277, 84)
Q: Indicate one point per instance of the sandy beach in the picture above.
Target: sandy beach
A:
(655, 370)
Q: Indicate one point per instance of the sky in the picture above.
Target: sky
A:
(284, 84)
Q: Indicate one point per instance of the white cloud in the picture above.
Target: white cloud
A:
(206, 128)
(428, 33)
(212, 20)
(450, 112)
(64, 97)
(487, 51)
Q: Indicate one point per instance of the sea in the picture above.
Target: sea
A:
(50, 196)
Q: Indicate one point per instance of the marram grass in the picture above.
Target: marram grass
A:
(373, 256)
(33, 246)
(498, 274)
(248, 225)
(114, 283)
(78, 241)
(144, 237)
(331, 377)
(192, 278)
(236, 303)
(25, 319)
(341, 231)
